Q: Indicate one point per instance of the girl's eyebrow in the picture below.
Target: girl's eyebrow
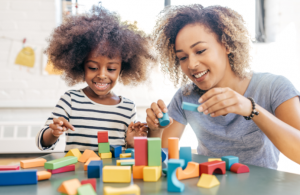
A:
(191, 46)
(91, 61)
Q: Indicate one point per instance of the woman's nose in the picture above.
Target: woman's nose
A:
(193, 62)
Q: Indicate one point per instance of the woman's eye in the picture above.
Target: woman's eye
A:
(92, 68)
(181, 59)
(200, 52)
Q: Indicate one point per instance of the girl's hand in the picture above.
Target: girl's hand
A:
(59, 126)
(135, 130)
(221, 101)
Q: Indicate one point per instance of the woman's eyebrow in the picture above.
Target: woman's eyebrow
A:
(176, 51)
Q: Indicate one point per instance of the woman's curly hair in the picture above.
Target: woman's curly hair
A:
(100, 30)
(227, 24)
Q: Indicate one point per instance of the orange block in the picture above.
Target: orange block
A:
(173, 152)
(43, 175)
(86, 155)
(69, 187)
(137, 172)
(89, 160)
(38, 162)
(191, 171)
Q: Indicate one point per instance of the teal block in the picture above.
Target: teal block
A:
(129, 150)
(86, 189)
(185, 153)
(127, 163)
(132, 154)
(103, 147)
(230, 160)
(164, 121)
(154, 151)
(165, 171)
(190, 106)
(61, 162)
(172, 182)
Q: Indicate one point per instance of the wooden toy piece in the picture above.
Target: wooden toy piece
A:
(191, 171)
(103, 148)
(173, 151)
(127, 163)
(164, 121)
(137, 172)
(190, 106)
(69, 186)
(129, 150)
(90, 181)
(61, 162)
(125, 155)
(163, 156)
(214, 159)
(230, 160)
(154, 151)
(208, 181)
(43, 175)
(89, 160)
(185, 153)
(62, 169)
(211, 167)
(20, 177)
(116, 150)
(102, 136)
(118, 162)
(239, 168)
(141, 151)
(74, 152)
(123, 174)
(165, 171)
(152, 173)
(86, 155)
(105, 155)
(38, 162)
(132, 189)
(172, 182)
(86, 189)
(9, 167)
(94, 169)
(132, 154)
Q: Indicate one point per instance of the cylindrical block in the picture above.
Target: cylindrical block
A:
(164, 121)
(173, 152)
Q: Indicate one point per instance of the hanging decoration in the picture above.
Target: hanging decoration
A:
(50, 69)
(26, 57)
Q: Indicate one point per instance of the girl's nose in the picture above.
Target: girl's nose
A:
(101, 74)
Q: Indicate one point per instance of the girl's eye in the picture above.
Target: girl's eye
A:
(92, 68)
(200, 52)
(111, 69)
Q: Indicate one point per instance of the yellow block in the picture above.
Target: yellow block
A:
(125, 155)
(214, 159)
(88, 162)
(151, 173)
(105, 155)
(208, 181)
(119, 161)
(116, 174)
(74, 152)
(132, 189)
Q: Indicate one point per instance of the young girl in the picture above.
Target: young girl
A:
(254, 116)
(98, 49)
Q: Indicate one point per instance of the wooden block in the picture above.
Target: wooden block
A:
(141, 151)
(86, 155)
(165, 120)
(208, 181)
(173, 151)
(89, 160)
(94, 169)
(132, 189)
(191, 171)
(239, 168)
(172, 182)
(103, 148)
(132, 154)
(86, 189)
(137, 172)
(118, 162)
(62, 169)
(163, 156)
(123, 173)
(90, 181)
(61, 162)
(102, 136)
(127, 163)
(74, 152)
(185, 153)
(69, 186)
(43, 175)
(211, 167)
(125, 155)
(105, 155)
(190, 106)
(214, 159)
(19, 177)
(154, 151)
(116, 150)
(9, 167)
(38, 162)
(230, 160)
(129, 150)
(152, 173)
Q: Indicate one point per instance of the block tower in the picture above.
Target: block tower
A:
(103, 145)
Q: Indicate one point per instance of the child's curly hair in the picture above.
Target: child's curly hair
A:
(71, 42)
(227, 24)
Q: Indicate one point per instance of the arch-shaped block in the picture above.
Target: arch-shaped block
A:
(191, 171)
(132, 189)
(173, 184)
(239, 168)
(218, 167)
(185, 153)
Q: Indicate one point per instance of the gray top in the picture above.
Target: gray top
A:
(232, 134)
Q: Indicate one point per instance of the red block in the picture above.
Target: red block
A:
(218, 167)
(90, 181)
(63, 169)
(239, 168)
(102, 136)
(141, 151)
(9, 167)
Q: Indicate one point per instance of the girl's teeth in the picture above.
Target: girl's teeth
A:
(200, 74)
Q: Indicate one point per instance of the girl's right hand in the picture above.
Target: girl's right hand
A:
(59, 126)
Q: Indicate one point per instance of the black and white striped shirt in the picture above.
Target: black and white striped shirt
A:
(89, 117)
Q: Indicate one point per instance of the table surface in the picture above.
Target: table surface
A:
(258, 181)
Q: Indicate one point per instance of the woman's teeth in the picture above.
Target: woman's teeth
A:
(200, 74)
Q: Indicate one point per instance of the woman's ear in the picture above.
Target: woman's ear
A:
(228, 50)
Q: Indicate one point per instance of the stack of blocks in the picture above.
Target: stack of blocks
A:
(103, 145)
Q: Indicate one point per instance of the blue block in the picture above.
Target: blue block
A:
(132, 154)
(230, 160)
(173, 184)
(185, 153)
(94, 169)
(190, 106)
(22, 177)
(164, 121)
(116, 150)
(163, 155)
(128, 150)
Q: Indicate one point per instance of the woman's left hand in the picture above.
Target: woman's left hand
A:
(221, 101)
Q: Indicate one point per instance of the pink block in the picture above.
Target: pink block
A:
(9, 167)
(90, 181)
(63, 169)
(141, 151)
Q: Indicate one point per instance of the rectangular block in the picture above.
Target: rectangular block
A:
(141, 151)
(125, 155)
(62, 169)
(118, 162)
(94, 169)
(105, 155)
(61, 162)
(9, 167)
(127, 163)
(123, 173)
(154, 151)
(102, 136)
(137, 172)
(39, 162)
(190, 106)
(90, 181)
(116, 150)
(185, 153)
(23, 177)
(129, 150)
(103, 148)
(214, 159)
(43, 175)
(151, 173)
(86, 155)
(88, 162)
(230, 160)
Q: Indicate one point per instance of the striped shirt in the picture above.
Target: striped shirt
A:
(89, 117)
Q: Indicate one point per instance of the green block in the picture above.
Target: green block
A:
(86, 189)
(127, 163)
(103, 147)
(154, 151)
(61, 162)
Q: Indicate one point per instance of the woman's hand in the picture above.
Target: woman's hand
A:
(221, 101)
(59, 126)
(137, 129)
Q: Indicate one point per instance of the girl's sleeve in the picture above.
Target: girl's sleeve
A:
(62, 109)
(174, 108)
(133, 114)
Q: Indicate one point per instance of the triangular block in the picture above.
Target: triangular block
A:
(74, 152)
(69, 186)
(208, 181)
(86, 155)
